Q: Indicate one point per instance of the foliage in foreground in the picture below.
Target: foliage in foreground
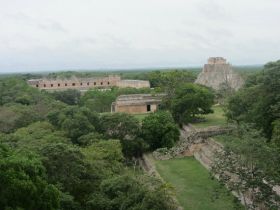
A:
(250, 166)
(159, 130)
(24, 182)
(189, 101)
(259, 101)
(59, 156)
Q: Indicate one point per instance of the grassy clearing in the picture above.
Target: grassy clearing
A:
(194, 188)
(214, 119)
(141, 117)
(221, 138)
(228, 140)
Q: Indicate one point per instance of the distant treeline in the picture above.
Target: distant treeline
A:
(142, 74)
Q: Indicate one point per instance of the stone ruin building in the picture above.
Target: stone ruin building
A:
(137, 103)
(218, 73)
(86, 83)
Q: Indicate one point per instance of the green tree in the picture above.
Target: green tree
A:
(134, 148)
(191, 100)
(105, 156)
(98, 101)
(170, 79)
(34, 137)
(276, 132)
(16, 90)
(259, 101)
(224, 92)
(66, 167)
(89, 139)
(23, 183)
(8, 119)
(16, 116)
(125, 192)
(159, 130)
(119, 126)
(75, 121)
(70, 96)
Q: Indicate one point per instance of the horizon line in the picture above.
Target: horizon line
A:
(117, 69)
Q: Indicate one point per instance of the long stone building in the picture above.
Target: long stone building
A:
(137, 103)
(86, 83)
(218, 72)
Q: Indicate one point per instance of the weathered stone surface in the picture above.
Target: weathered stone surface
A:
(137, 103)
(191, 141)
(217, 73)
(86, 83)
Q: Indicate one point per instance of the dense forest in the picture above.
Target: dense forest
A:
(64, 150)
(252, 151)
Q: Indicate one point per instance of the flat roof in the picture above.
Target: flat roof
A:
(138, 99)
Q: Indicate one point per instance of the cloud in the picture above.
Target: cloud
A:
(213, 10)
(45, 24)
(37, 34)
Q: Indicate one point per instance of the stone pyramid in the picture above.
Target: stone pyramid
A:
(217, 72)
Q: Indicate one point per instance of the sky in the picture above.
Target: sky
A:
(40, 35)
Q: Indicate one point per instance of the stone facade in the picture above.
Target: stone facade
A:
(136, 103)
(217, 72)
(86, 83)
(133, 83)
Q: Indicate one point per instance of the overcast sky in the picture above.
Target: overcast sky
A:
(103, 34)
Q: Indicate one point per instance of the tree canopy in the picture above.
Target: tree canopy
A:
(259, 101)
(159, 130)
(57, 153)
(24, 183)
(189, 101)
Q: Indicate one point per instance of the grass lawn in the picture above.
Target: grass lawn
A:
(221, 138)
(194, 188)
(141, 117)
(228, 139)
(215, 119)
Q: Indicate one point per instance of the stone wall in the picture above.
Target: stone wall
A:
(206, 153)
(131, 109)
(75, 83)
(135, 109)
(133, 83)
(136, 103)
(86, 83)
(191, 140)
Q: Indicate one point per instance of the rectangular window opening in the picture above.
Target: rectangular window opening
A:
(148, 108)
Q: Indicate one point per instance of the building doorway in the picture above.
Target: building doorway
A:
(148, 108)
